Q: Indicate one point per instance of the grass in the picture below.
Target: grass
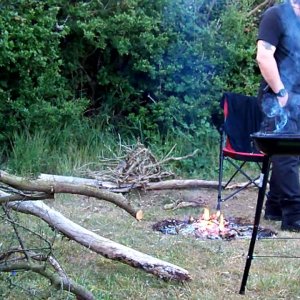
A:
(67, 150)
(215, 266)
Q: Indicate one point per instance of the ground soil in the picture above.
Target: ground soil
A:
(242, 205)
(215, 266)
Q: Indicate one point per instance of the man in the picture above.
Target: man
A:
(278, 58)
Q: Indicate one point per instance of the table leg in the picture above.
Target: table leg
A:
(259, 206)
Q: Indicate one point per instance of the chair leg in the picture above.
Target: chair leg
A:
(259, 206)
(221, 161)
(239, 169)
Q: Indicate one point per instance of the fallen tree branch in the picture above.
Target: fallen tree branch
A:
(160, 185)
(52, 187)
(243, 184)
(31, 197)
(75, 180)
(181, 184)
(101, 184)
(101, 245)
(183, 204)
(58, 281)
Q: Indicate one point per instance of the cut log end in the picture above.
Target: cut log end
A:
(174, 274)
(139, 215)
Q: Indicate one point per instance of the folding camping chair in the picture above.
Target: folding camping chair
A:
(242, 116)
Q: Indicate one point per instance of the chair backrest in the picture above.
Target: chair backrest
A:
(242, 116)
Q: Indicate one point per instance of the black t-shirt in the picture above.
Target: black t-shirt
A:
(281, 28)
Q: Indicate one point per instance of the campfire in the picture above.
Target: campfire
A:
(212, 226)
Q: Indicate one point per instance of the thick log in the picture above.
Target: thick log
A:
(52, 187)
(73, 180)
(243, 185)
(161, 185)
(101, 184)
(101, 245)
(181, 184)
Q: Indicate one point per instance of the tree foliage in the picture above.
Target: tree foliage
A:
(138, 65)
(32, 87)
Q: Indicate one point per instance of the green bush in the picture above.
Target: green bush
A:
(170, 59)
(147, 69)
(33, 92)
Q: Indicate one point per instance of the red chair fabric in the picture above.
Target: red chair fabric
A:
(242, 116)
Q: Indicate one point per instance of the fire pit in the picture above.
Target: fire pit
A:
(213, 227)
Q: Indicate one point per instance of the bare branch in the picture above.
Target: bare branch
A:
(57, 281)
(24, 197)
(173, 159)
(101, 245)
(51, 187)
(20, 240)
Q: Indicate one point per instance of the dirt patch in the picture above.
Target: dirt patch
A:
(241, 206)
(215, 266)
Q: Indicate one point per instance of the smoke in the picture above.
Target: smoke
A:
(281, 119)
(276, 115)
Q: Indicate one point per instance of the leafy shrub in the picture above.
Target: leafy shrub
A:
(32, 87)
(148, 69)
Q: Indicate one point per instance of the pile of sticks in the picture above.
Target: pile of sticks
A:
(137, 167)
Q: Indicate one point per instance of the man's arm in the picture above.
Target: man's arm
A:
(268, 68)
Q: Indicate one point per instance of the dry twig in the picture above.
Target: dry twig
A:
(137, 167)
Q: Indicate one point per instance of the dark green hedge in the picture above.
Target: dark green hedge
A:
(136, 65)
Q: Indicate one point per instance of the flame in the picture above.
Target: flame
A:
(211, 224)
(221, 222)
(205, 215)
